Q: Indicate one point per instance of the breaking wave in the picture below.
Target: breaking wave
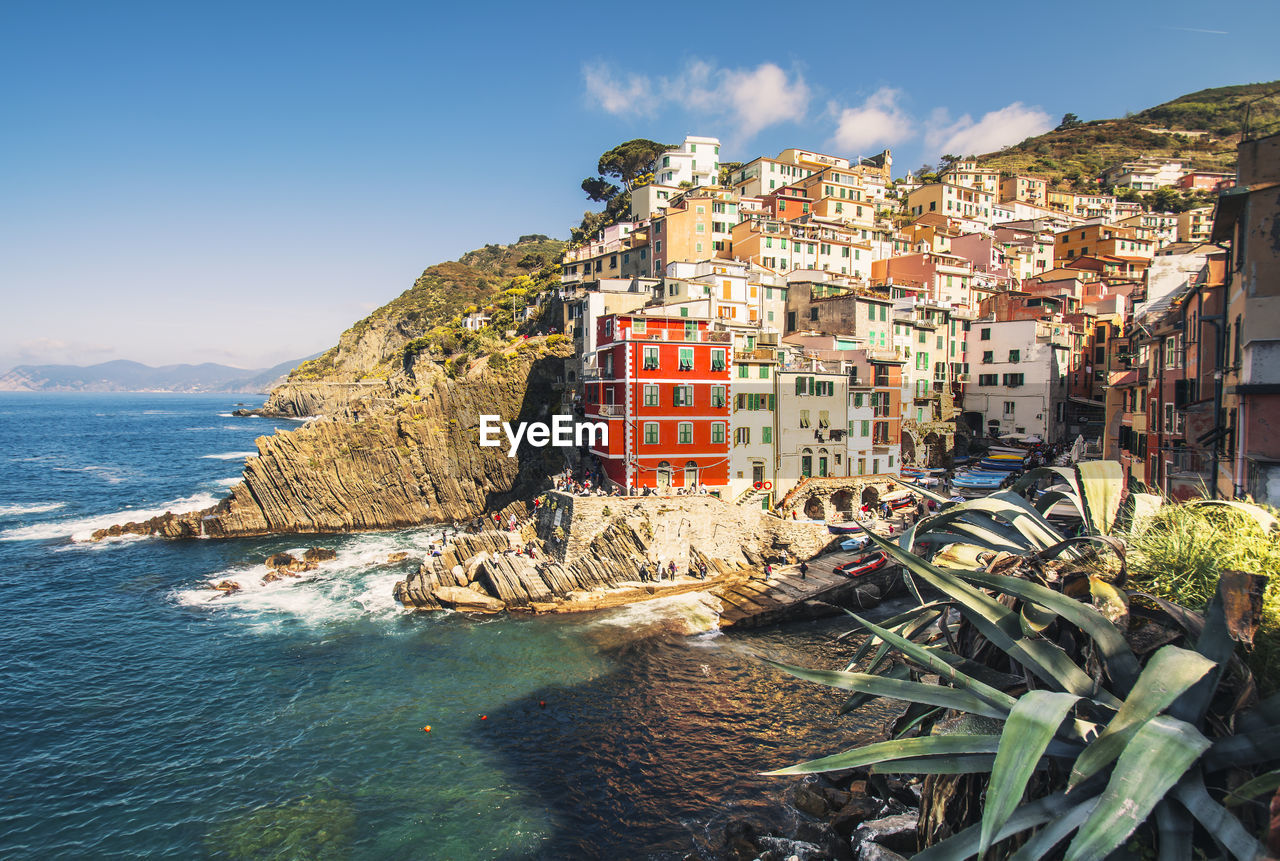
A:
(82, 528)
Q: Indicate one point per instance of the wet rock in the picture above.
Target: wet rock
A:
(226, 587)
(876, 852)
(320, 554)
(280, 560)
(740, 841)
(398, 556)
(896, 832)
(784, 849)
(859, 810)
(809, 799)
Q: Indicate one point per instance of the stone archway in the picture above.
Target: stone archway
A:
(908, 447)
(815, 509)
(933, 454)
(870, 496)
(842, 501)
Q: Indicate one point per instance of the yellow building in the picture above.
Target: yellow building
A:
(1101, 240)
(1028, 189)
(1194, 225)
(949, 199)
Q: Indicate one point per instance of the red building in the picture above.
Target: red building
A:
(662, 386)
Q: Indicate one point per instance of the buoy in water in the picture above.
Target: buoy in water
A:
(484, 717)
(542, 704)
(426, 729)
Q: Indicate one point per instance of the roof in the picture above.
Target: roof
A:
(1230, 203)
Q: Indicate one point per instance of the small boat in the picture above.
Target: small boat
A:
(843, 528)
(863, 565)
(857, 542)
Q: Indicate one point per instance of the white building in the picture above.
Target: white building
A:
(696, 162)
(1018, 378)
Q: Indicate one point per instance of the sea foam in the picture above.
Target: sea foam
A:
(229, 455)
(82, 528)
(31, 508)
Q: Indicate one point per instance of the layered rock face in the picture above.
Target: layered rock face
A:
(385, 462)
(585, 545)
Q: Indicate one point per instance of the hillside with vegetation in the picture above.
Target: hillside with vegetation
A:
(1200, 129)
(427, 319)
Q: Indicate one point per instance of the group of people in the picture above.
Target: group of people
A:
(652, 572)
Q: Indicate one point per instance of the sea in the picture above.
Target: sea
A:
(142, 713)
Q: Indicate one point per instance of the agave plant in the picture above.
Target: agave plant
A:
(1115, 709)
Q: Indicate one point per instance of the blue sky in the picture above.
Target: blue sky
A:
(240, 182)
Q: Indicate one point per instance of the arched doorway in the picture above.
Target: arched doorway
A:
(870, 496)
(691, 474)
(824, 461)
(806, 462)
(973, 421)
(664, 476)
(814, 509)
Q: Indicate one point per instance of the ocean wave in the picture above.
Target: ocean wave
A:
(357, 583)
(30, 508)
(82, 528)
(229, 455)
(227, 482)
(679, 615)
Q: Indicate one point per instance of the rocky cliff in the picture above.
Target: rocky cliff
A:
(391, 458)
(400, 398)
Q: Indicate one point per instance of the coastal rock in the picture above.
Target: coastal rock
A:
(389, 458)
(897, 832)
(320, 554)
(227, 587)
(784, 849)
(468, 601)
(876, 852)
(398, 556)
(280, 560)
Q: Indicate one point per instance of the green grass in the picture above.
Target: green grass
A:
(1179, 552)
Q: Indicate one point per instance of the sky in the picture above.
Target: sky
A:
(240, 182)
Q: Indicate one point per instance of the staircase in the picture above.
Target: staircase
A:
(752, 496)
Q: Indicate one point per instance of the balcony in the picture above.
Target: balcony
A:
(884, 355)
(757, 354)
(605, 410)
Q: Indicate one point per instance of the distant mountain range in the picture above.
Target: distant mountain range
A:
(124, 376)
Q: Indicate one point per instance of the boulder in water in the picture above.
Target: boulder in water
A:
(320, 554)
(467, 600)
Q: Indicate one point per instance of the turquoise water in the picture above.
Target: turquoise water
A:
(142, 713)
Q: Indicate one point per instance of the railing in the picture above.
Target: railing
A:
(609, 410)
(758, 353)
(886, 355)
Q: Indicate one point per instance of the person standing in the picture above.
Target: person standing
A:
(804, 570)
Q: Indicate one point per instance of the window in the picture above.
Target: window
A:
(717, 433)
(717, 360)
(857, 399)
(718, 396)
(824, 418)
(650, 433)
(804, 385)
(988, 379)
(866, 428)
(650, 358)
(686, 358)
(1015, 356)
(650, 395)
(766, 435)
(682, 396)
(1009, 407)
(824, 388)
(684, 433)
(638, 327)
(1014, 380)
(742, 436)
(985, 335)
(764, 372)
(804, 418)
(743, 370)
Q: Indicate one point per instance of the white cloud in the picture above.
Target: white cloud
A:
(996, 129)
(750, 99)
(632, 94)
(877, 123)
